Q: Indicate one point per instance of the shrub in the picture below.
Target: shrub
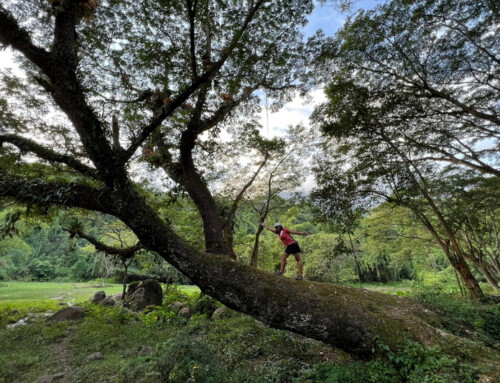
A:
(412, 364)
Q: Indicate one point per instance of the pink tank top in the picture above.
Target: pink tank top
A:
(285, 237)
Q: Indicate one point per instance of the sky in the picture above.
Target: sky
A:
(329, 20)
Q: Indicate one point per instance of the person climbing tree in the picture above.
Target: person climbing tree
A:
(291, 247)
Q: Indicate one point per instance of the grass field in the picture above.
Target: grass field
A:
(11, 292)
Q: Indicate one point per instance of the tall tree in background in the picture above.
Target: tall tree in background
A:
(429, 71)
(415, 84)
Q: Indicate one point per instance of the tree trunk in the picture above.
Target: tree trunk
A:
(456, 260)
(492, 281)
(356, 262)
(254, 257)
(213, 226)
(229, 237)
(345, 317)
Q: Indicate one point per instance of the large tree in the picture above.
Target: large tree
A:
(414, 86)
(429, 71)
(88, 149)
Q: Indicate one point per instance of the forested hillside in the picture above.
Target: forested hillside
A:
(388, 244)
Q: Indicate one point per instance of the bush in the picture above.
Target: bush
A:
(460, 315)
(413, 364)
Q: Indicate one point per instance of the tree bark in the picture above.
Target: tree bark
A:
(356, 261)
(254, 257)
(213, 226)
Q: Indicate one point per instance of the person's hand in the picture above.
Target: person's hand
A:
(305, 234)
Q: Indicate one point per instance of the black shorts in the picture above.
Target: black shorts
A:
(293, 248)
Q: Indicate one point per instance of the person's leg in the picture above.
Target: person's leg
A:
(300, 264)
(284, 256)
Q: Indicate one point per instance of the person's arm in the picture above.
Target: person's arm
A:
(267, 227)
(298, 233)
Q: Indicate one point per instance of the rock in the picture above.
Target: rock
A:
(95, 356)
(62, 304)
(50, 378)
(14, 312)
(220, 313)
(20, 322)
(98, 297)
(177, 306)
(184, 312)
(108, 301)
(146, 350)
(145, 294)
(117, 297)
(68, 313)
(132, 287)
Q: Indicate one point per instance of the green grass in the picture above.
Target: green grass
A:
(159, 346)
(35, 291)
(12, 292)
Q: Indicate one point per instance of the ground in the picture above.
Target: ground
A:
(160, 346)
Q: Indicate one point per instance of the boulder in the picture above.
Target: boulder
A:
(117, 297)
(131, 288)
(184, 312)
(98, 297)
(95, 356)
(50, 378)
(68, 313)
(108, 301)
(144, 294)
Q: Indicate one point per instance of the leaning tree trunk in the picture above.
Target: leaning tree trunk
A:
(197, 189)
(345, 317)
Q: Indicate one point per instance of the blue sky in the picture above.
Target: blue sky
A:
(327, 18)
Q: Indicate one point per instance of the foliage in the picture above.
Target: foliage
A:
(413, 364)
(463, 315)
(204, 350)
(397, 110)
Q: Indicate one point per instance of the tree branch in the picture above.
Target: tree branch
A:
(65, 194)
(126, 253)
(191, 9)
(11, 34)
(25, 144)
(189, 90)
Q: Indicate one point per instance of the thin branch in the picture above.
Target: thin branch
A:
(126, 253)
(168, 110)
(191, 9)
(44, 153)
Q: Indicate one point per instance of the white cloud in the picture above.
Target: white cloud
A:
(295, 112)
(7, 59)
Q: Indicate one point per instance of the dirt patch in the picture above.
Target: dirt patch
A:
(63, 353)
